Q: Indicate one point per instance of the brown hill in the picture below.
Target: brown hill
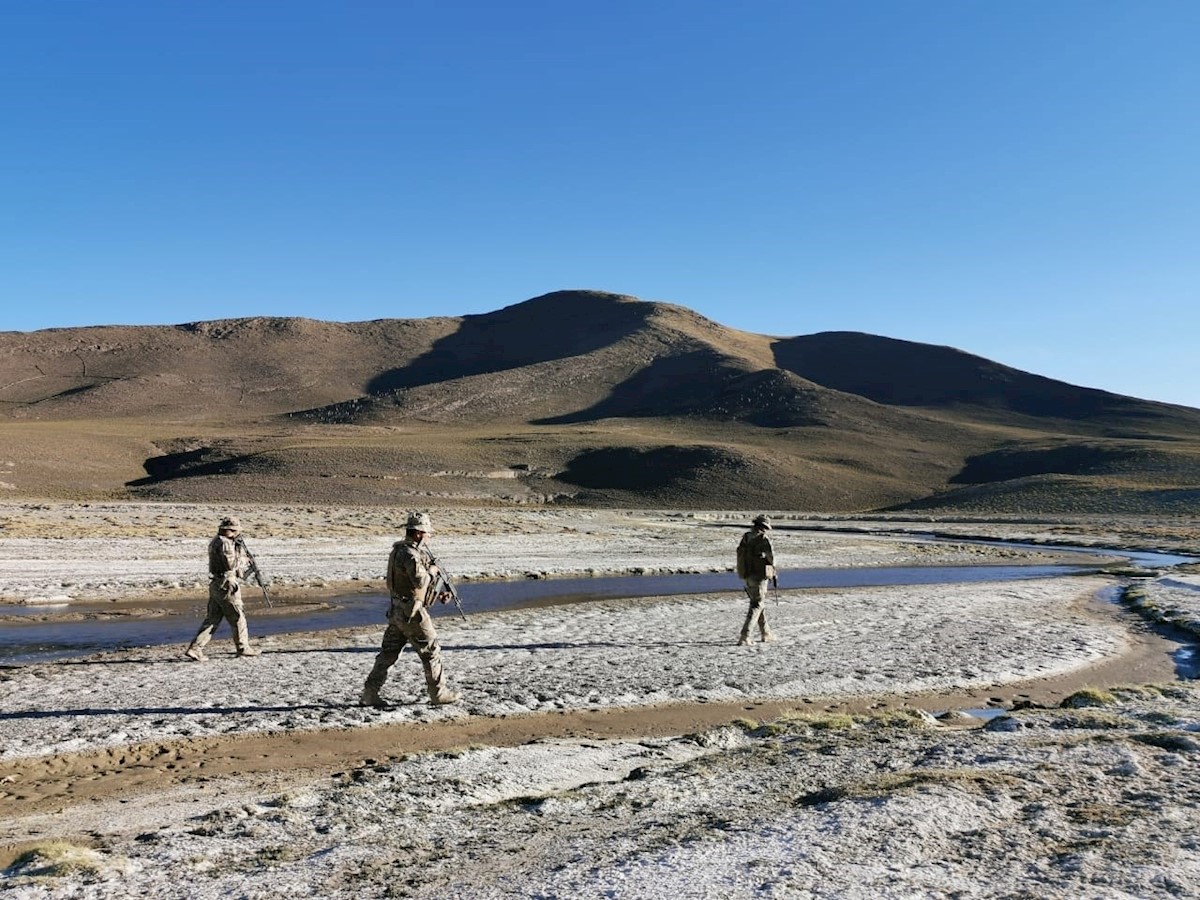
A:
(222, 370)
(576, 396)
(901, 373)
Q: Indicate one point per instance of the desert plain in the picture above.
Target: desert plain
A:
(977, 737)
(1027, 738)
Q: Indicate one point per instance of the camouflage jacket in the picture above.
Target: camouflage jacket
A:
(408, 575)
(226, 559)
(754, 554)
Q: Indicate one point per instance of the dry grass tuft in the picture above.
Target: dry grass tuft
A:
(915, 780)
(56, 859)
(1088, 697)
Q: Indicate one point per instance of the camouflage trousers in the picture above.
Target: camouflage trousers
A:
(224, 602)
(756, 590)
(407, 625)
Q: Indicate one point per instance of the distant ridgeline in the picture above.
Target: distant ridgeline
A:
(574, 397)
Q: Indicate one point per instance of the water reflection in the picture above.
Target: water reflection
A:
(22, 642)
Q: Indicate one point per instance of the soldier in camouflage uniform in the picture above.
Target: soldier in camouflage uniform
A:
(756, 567)
(411, 578)
(227, 562)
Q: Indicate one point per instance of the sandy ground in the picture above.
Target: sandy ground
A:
(610, 749)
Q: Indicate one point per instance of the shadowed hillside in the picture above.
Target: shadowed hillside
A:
(902, 373)
(573, 397)
(522, 335)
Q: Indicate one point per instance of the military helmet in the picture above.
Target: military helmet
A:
(762, 521)
(419, 522)
(231, 523)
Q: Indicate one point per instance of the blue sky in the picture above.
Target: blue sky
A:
(1019, 179)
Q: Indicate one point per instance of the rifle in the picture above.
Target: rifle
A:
(775, 587)
(254, 571)
(443, 583)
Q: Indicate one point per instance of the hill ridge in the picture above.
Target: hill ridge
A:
(539, 396)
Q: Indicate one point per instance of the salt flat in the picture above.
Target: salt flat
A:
(1049, 802)
(119, 551)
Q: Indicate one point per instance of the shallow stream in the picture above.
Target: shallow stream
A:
(103, 629)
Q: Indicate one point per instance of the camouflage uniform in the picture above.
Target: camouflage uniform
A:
(410, 579)
(756, 567)
(227, 562)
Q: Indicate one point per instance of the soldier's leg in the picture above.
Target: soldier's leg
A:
(231, 609)
(212, 619)
(423, 637)
(764, 629)
(744, 637)
(393, 642)
(755, 591)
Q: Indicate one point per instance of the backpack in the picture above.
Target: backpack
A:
(743, 556)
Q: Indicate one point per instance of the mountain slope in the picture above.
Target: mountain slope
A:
(202, 370)
(907, 374)
(574, 396)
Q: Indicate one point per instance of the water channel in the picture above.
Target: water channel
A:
(22, 643)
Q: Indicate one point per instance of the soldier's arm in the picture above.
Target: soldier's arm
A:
(417, 569)
(390, 576)
(229, 558)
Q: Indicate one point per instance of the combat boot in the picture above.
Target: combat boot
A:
(767, 635)
(249, 651)
(435, 683)
(744, 640)
(369, 697)
(195, 653)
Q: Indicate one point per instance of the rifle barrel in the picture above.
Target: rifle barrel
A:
(256, 572)
(444, 579)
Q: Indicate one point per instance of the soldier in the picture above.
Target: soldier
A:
(411, 581)
(227, 561)
(756, 566)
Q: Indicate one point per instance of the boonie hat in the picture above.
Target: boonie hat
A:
(231, 523)
(762, 522)
(419, 522)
